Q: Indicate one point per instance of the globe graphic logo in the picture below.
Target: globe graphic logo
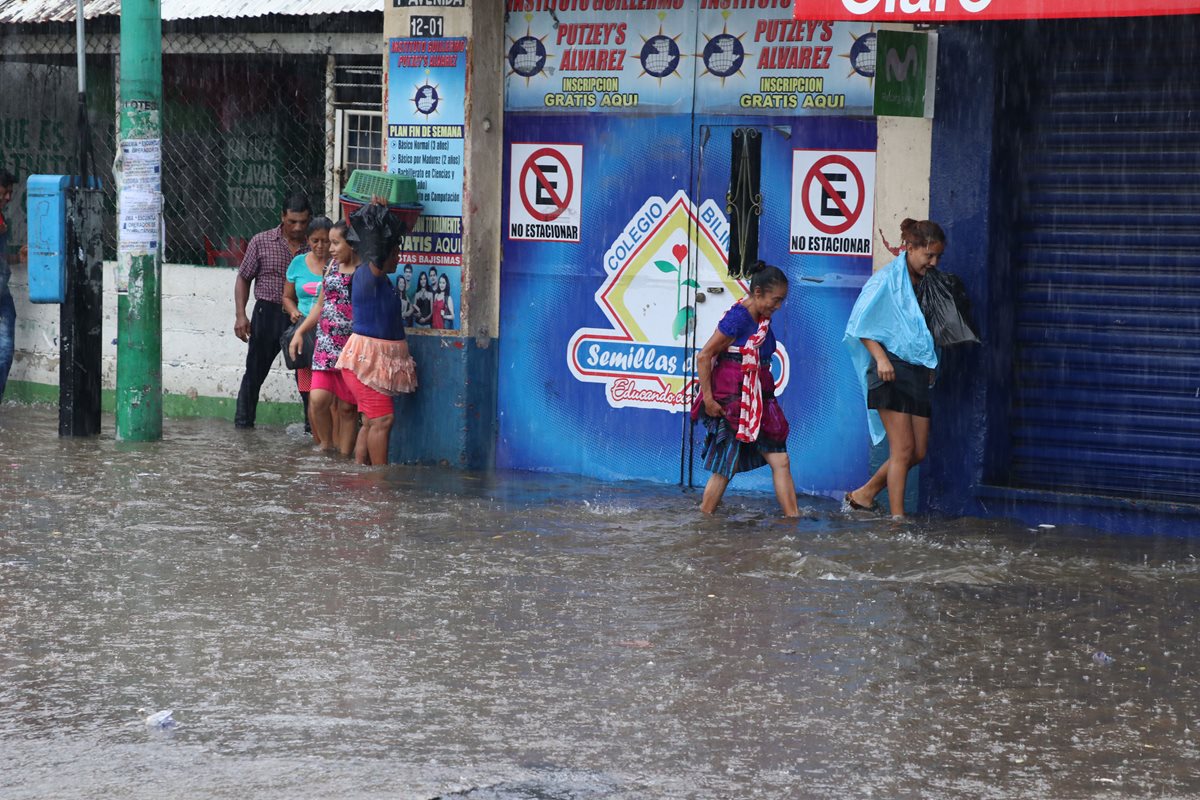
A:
(862, 55)
(527, 56)
(723, 55)
(659, 56)
(426, 99)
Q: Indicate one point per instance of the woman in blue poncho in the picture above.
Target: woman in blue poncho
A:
(894, 358)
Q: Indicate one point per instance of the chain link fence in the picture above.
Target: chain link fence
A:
(244, 124)
(239, 134)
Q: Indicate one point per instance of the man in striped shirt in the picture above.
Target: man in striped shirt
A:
(265, 264)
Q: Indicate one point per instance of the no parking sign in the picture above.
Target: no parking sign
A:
(833, 197)
(545, 192)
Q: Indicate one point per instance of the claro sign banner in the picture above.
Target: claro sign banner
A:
(956, 10)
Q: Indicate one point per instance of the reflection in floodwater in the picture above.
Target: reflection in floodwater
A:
(326, 631)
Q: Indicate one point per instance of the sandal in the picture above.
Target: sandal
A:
(848, 500)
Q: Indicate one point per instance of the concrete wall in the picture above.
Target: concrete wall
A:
(902, 166)
(901, 180)
(202, 360)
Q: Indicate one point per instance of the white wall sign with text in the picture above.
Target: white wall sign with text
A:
(833, 197)
(546, 192)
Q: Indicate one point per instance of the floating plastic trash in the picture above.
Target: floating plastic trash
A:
(1102, 658)
(160, 720)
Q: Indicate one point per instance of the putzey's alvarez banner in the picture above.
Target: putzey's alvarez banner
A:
(951, 10)
(573, 56)
(583, 56)
(762, 61)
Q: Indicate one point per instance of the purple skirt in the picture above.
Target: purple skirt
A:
(723, 453)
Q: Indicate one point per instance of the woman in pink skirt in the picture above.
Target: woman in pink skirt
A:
(331, 315)
(375, 362)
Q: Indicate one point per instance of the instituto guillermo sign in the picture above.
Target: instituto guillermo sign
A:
(956, 10)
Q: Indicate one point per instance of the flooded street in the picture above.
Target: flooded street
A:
(327, 631)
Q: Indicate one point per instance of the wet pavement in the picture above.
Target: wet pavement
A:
(328, 631)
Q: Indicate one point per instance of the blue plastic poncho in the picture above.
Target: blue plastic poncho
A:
(887, 312)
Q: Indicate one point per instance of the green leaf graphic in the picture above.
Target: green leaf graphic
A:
(691, 283)
(666, 266)
(685, 319)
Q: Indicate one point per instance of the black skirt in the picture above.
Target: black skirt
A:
(907, 394)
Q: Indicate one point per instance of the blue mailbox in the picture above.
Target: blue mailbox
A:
(46, 215)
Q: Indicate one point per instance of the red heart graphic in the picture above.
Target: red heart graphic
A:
(680, 252)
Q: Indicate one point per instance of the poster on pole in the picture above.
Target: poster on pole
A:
(426, 94)
(140, 202)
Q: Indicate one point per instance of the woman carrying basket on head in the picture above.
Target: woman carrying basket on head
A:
(375, 362)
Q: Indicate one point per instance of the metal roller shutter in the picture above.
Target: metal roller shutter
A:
(1106, 390)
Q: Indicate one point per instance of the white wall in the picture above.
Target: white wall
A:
(201, 356)
(902, 163)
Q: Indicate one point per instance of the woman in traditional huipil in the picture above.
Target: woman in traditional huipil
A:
(745, 426)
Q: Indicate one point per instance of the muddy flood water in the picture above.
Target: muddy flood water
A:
(327, 631)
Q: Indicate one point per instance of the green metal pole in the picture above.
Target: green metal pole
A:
(139, 201)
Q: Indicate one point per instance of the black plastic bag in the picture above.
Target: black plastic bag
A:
(375, 232)
(943, 299)
(304, 360)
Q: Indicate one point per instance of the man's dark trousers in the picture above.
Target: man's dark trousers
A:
(267, 324)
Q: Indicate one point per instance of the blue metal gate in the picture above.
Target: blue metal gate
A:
(1106, 389)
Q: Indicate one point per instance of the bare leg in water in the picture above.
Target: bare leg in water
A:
(714, 490)
(320, 403)
(785, 488)
(781, 476)
(908, 439)
(347, 427)
(378, 432)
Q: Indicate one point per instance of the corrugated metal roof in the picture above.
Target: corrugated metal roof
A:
(31, 11)
(35, 11)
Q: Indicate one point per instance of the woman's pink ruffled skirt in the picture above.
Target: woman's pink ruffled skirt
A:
(385, 365)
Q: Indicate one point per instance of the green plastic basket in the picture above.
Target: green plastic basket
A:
(365, 184)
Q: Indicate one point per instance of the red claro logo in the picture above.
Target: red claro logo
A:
(913, 6)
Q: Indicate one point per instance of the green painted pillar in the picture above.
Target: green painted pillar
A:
(139, 224)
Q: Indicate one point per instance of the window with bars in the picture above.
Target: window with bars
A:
(358, 103)
(360, 145)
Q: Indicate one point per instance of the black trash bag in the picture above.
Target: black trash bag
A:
(375, 232)
(304, 360)
(943, 299)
